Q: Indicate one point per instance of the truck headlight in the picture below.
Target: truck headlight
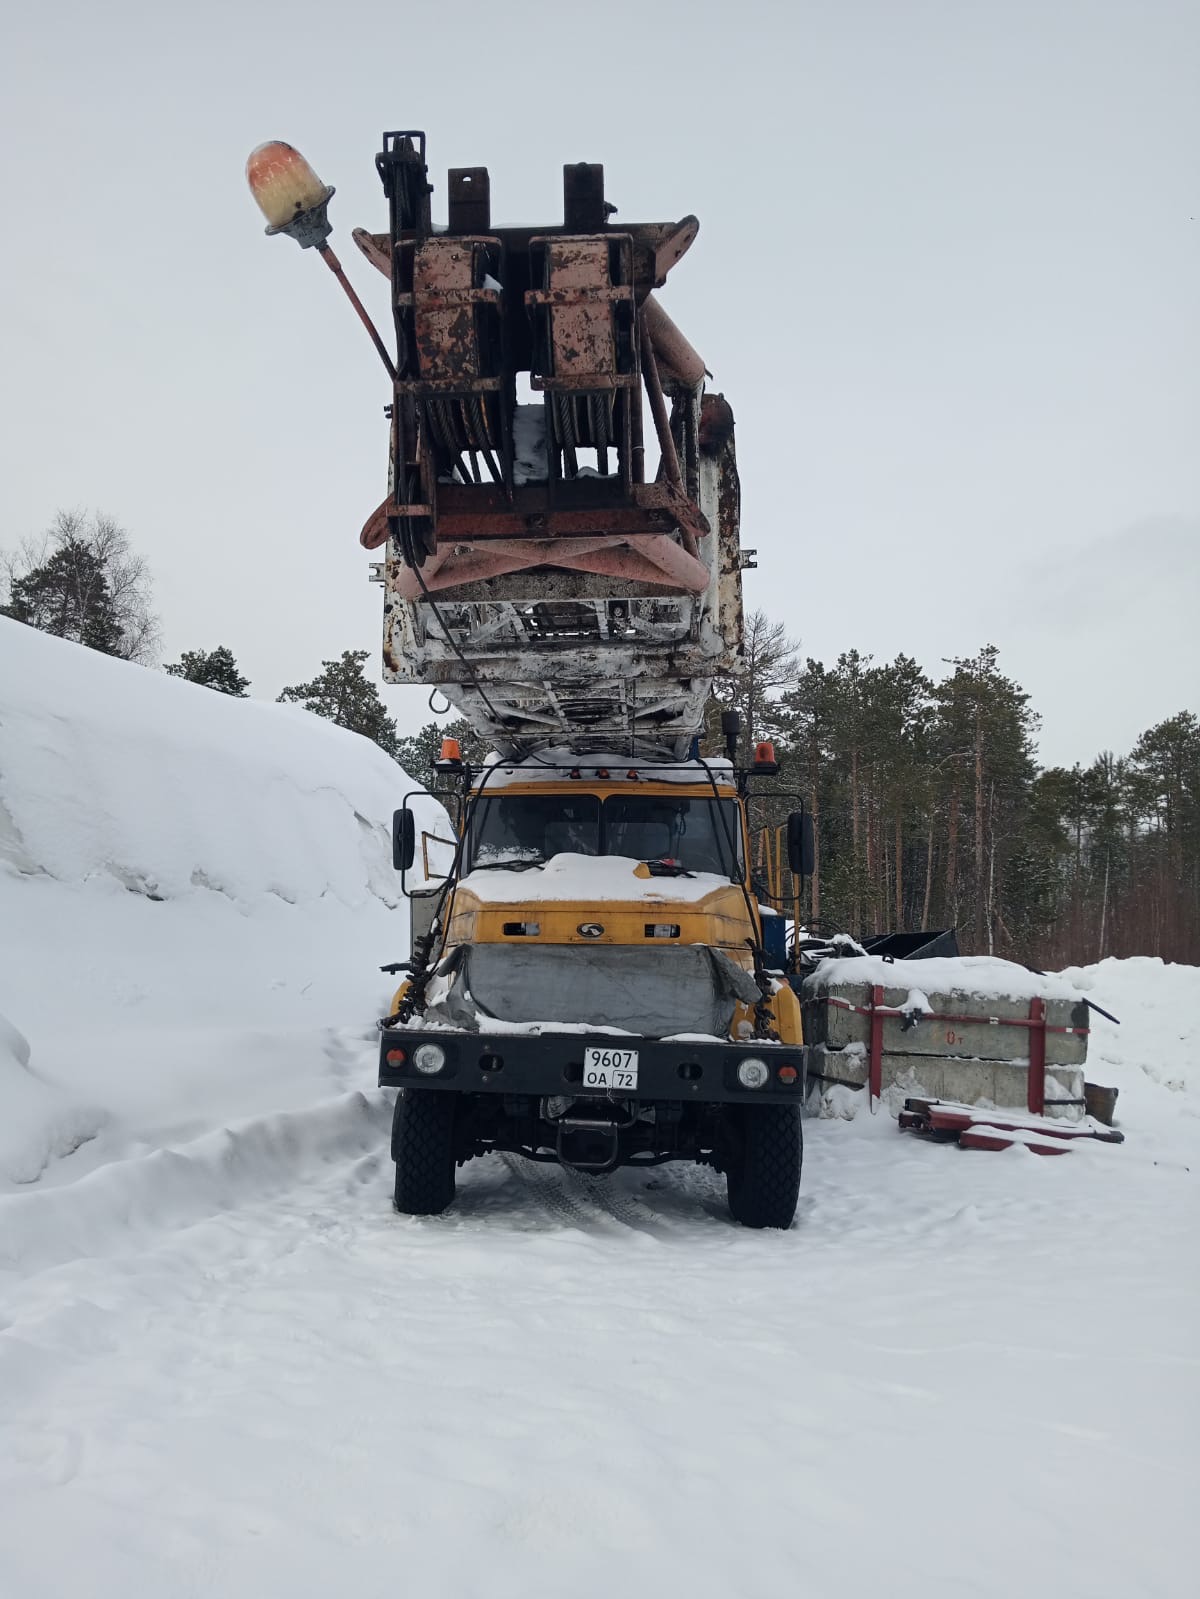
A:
(429, 1058)
(752, 1072)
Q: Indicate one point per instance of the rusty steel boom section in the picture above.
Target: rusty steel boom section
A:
(560, 538)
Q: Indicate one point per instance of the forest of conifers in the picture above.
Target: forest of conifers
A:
(932, 809)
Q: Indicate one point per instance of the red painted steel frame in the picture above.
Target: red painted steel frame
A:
(1035, 1022)
(875, 1058)
(1037, 1056)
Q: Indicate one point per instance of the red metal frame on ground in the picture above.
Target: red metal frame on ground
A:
(973, 1127)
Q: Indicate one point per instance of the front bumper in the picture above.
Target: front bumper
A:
(546, 1064)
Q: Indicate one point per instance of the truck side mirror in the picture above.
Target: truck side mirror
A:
(404, 839)
(801, 844)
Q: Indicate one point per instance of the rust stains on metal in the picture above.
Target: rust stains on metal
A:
(376, 248)
(674, 244)
(652, 560)
(579, 295)
(448, 285)
(528, 521)
(716, 423)
(375, 529)
(679, 361)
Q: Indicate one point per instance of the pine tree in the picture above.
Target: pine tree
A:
(850, 680)
(896, 717)
(83, 582)
(985, 737)
(215, 669)
(343, 695)
(810, 730)
(68, 596)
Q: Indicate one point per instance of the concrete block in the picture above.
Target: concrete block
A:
(1003, 1084)
(836, 1026)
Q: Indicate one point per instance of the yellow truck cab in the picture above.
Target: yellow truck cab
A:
(589, 985)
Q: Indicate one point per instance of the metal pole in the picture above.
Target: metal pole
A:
(335, 266)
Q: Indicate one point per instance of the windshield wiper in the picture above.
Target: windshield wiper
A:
(666, 867)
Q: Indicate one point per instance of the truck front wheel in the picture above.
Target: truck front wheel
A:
(762, 1164)
(423, 1149)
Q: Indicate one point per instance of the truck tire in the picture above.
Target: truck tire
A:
(423, 1149)
(763, 1169)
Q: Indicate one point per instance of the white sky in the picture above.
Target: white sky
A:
(947, 275)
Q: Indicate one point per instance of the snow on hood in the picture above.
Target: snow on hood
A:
(588, 877)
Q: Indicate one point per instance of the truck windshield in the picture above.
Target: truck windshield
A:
(695, 833)
(518, 830)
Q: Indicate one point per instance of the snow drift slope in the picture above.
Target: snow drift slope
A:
(38, 1121)
(195, 896)
(107, 768)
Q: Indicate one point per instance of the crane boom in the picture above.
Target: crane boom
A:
(560, 536)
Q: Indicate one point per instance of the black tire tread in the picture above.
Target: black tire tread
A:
(423, 1149)
(764, 1178)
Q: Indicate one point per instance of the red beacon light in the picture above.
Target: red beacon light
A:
(765, 763)
(289, 193)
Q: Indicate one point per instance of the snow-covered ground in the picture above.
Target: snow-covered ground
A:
(228, 1368)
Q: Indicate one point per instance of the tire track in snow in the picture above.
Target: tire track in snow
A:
(578, 1200)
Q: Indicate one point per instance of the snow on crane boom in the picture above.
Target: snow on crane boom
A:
(531, 572)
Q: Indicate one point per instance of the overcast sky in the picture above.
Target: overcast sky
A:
(948, 274)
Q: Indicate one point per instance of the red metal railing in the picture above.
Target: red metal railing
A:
(1035, 1023)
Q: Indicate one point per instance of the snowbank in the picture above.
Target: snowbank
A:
(196, 894)
(38, 1121)
(168, 787)
(1152, 1053)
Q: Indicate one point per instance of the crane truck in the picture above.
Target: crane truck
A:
(593, 981)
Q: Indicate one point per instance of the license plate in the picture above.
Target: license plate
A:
(614, 1070)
